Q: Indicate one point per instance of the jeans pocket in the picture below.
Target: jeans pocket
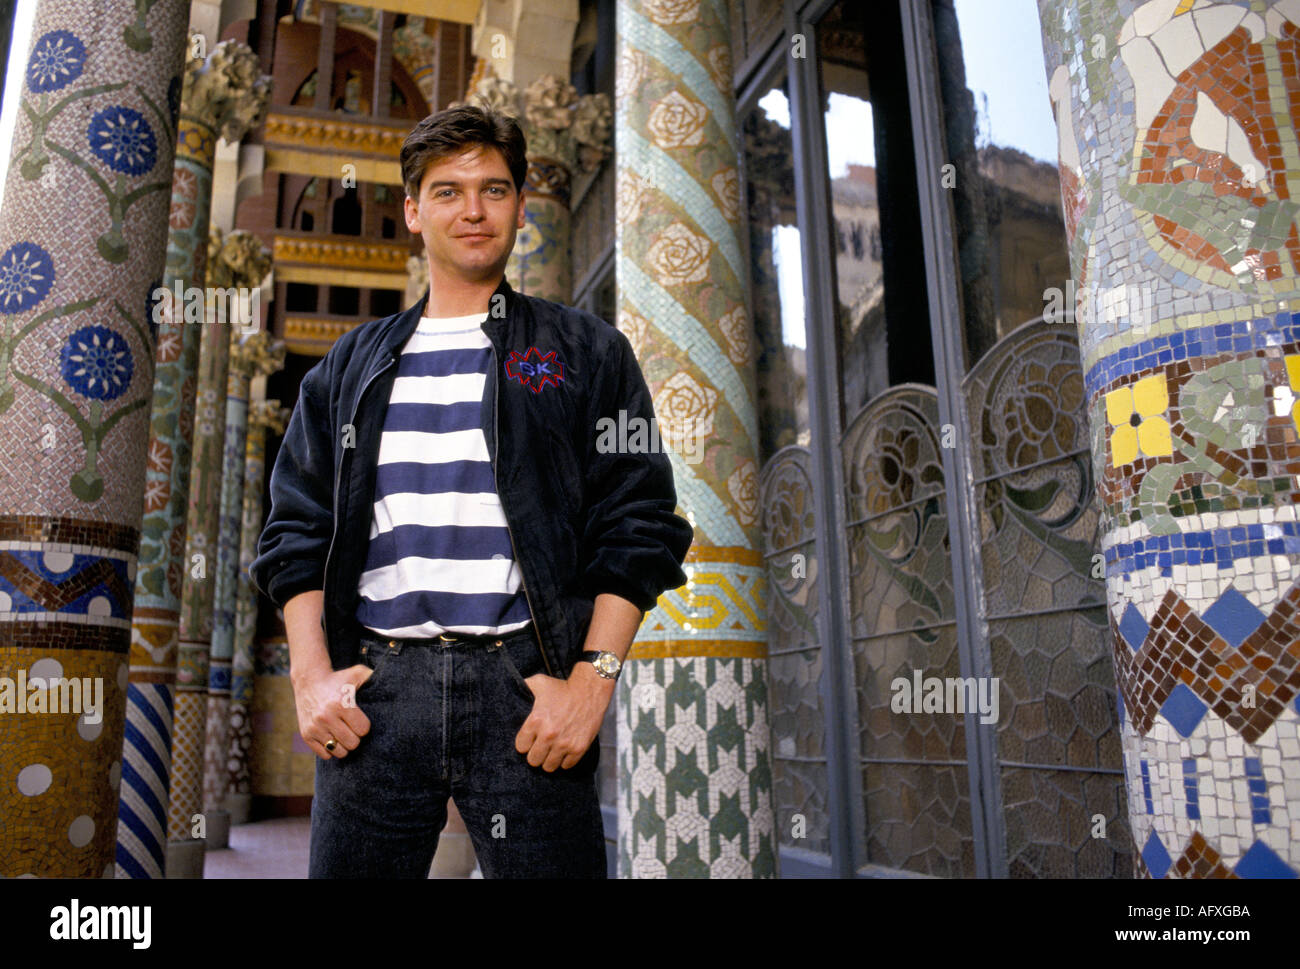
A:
(515, 677)
(373, 657)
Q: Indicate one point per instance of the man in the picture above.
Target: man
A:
(461, 568)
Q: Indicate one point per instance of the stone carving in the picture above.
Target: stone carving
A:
(494, 94)
(593, 127)
(226, 91)
(547, 102)
(268, 414)
(238, 259)
(382, 256)
(365, 138)
(257, 354)
(559, 125)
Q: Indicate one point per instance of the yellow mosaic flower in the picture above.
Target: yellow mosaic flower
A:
(1136, 416)
(1293, 378)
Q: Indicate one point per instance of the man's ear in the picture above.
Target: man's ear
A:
(519, 224)
(412, 213)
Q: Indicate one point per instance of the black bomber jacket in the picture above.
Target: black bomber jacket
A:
(581, 522)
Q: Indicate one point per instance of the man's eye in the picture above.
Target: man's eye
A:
(497, 190)
(442, 193)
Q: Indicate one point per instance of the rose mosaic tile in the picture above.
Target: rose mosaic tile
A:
(696, 776)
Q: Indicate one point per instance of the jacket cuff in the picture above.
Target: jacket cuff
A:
(622, 588)
(291, 581)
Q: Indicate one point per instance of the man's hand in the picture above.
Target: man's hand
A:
(566, 717)
(327, 708)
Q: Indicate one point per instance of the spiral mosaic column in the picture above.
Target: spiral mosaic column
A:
(239, 261)
(82, 244)
(695, 782)
(1178, 142)
(263, 416)
(252, 356)
(215, 100)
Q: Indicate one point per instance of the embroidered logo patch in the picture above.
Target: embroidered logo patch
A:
(534, 369)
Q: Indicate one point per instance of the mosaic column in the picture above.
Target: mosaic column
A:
(263, 416)
(251, 356)
(695, 779)
(238, 261)
(565, 134)
(216, 100)
(1177, 124)
(82, 244)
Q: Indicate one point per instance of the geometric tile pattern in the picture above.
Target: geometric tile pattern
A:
(1181, 650)
(696, 802)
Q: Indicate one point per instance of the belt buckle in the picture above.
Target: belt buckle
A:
(447, 639)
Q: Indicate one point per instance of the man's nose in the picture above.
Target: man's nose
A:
(473, 207)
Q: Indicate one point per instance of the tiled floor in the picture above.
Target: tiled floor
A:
(263, 849)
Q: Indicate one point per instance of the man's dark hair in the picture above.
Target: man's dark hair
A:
(452, 131)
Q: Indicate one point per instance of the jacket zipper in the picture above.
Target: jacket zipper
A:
(338, 476)
(496, 439)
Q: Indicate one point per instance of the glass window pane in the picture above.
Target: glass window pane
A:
(785, 484)
(776, 273)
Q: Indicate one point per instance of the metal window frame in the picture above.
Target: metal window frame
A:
(946, 329)
(839, 679)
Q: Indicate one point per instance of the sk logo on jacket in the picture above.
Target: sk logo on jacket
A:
(534, 369)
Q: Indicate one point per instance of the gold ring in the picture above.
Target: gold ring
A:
(331, 744)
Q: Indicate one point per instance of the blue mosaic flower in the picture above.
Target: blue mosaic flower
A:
(26, 275)
(96, 363)
(57, 60)
(123, 140)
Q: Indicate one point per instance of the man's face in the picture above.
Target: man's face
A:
(468, 214)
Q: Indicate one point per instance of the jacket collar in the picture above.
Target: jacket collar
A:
(403, 324)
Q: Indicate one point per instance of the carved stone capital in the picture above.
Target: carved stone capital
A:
(493, 94)
(548, 103)
(226, 91)
(258, 355)
(267, 415)
(593, 127)
(238, 259)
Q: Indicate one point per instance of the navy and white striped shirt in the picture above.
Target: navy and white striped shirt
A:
(439, 558)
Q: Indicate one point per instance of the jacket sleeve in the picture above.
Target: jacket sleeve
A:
(633, 542)
(295, 540)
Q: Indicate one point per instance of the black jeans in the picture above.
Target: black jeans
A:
(443, 721)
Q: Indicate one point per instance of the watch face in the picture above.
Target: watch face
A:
(607, 665)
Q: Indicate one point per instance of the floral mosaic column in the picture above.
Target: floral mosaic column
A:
(250, 356)
(82, 244)
(263, 416)
(564, 133)
(216, 100)
(239, 260)
(1178, 142)
(695, 782)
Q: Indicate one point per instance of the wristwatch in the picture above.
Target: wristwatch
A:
(607, 664)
